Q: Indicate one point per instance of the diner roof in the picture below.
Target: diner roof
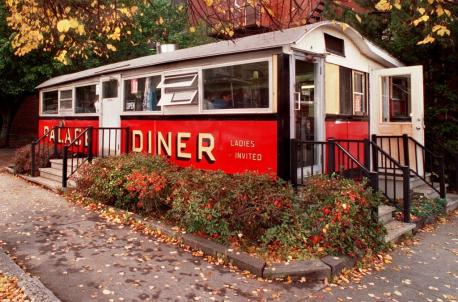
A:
(287, 37)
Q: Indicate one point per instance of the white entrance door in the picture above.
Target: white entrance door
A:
(109, 134)
(307, 122)
(396, 106)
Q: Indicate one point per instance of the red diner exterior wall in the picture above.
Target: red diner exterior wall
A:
(236, 146)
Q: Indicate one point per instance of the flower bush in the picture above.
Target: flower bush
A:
(125, 181)
(333, 216)
(254, 212)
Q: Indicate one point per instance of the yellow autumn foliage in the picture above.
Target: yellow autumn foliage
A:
(68, 29)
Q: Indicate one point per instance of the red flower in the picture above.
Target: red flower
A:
(215, 235)
(326, 211)
(277, 203)
(315, 239)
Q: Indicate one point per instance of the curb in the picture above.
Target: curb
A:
(312, 270)
(33, 287)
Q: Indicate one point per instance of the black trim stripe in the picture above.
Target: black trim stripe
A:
(283, 145)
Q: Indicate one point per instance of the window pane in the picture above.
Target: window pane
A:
(86, 99)
(141, 94)
(345, 90)
(66, 94)
(50, 102)
(110, 89)
(334, 45)
(358, 82)
(396, 98)
(359, 94)
(238, 86)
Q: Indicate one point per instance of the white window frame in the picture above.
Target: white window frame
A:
(98, 89)
(182, 73)
(123, 92)
(71, 110)
(107, 79)
(363, 94)
(42, 113)
(269, 109)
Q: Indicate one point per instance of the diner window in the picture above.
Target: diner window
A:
(396, 99)
(142, 94)
(359, 93)
(110, 89)
(237, 86)
(86, 99)
(334, 45)
(179, 89)
(352, 91)
(66, 99)
(50, 102)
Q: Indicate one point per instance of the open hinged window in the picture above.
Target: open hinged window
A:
(178, 89)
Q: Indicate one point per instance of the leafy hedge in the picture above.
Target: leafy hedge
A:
(254, 212)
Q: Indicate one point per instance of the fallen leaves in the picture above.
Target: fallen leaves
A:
(10, 289)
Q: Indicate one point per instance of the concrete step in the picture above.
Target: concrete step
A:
(396, 229)
(385, 213)
(45, 182)
(58, 163)
(52, 173)
(427, 191)
(452, 202)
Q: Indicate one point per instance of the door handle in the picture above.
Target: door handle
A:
(297, 101)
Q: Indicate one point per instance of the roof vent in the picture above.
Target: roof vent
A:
(161, 48)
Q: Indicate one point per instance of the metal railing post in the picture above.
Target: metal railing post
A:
(406, 192)
(33, 160)
(442, 177)
(405, 145)
(64, 166)
(367, 154)
(89, 144)
(127, 139)
(373, 179)
(331, 156)
(293, 164)
(374, 153)
(55, 142)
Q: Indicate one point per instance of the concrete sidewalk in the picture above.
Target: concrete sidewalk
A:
(81, 257)
(427, 271)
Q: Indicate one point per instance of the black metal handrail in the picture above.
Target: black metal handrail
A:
(78, 149)
(350, 167)
(402, 147)
(308, 158)
(390, 171)
(38, 146)
(434, 162)
(450, 157)
(110, 140)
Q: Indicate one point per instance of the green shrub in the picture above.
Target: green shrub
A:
(223, 205)
(330, 216)
(427, 207)
(112, 180)
(23, 159)
(334, 216)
